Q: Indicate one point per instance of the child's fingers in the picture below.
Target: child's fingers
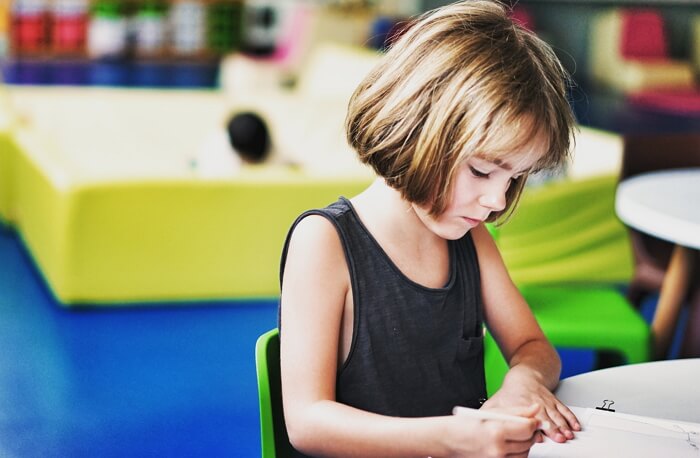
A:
(561, 422)
(517, 447)
(528, 412)
(519, 431)
(553, 431)
(569, 416)
(540, 437)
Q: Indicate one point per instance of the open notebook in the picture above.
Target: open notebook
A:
(613, 434)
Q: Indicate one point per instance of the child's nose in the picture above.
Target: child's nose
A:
(494, 200)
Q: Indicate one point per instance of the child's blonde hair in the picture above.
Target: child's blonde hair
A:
(459, 81)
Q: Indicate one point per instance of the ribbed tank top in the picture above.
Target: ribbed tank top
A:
(415, 351)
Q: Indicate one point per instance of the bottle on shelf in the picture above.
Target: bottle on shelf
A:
(187, 28)
(149, 29)
(107, 30)
(29, 27)
(69, 27)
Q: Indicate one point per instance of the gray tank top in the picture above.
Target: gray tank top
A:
(415, 351)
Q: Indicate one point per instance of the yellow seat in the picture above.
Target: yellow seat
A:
(111, 221)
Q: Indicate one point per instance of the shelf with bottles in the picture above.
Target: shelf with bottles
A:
(48, 36)
(153, 29)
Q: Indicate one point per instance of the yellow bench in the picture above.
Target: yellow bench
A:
(99, 185)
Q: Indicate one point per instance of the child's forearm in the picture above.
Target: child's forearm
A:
(539, 360)
(329, 428)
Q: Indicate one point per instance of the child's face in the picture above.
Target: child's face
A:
(479, 188)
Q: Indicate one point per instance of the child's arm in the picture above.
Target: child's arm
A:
(534, 364)
(316, 284)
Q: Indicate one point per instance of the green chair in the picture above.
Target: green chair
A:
(596, 317)
(567, 231)
(567, 252)
(273, 432)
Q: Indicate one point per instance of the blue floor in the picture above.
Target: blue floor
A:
(165, 381)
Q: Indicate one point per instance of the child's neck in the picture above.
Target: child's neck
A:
(418, 252)
(382, 208)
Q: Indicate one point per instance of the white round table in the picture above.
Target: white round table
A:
(663, 389)
(656, 412)
(666, 204)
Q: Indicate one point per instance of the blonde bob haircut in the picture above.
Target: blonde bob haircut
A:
(462, 81)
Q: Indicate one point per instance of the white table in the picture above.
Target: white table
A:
(651, 403)
(666, 204)
(663, 389)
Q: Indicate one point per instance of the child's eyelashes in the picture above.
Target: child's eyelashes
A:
(478, 173)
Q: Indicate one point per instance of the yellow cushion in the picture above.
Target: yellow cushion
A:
(565, 232)
(111, 220)
(6, 155)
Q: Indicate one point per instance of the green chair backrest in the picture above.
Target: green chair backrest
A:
(566, 250)
(273, 432)
(567, 231)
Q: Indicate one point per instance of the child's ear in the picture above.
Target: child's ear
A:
(249, 137)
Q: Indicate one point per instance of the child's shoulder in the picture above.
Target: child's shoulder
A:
(337, 209)
(325, 216)
(314, 247)
(313, 229)
(319, 227)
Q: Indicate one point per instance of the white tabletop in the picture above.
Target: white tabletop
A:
(665, 204)
(662, 389)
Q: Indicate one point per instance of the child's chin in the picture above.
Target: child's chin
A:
(454, 233)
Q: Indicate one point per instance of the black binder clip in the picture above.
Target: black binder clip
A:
(607, 404)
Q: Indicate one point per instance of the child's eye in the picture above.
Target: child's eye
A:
(478, 173)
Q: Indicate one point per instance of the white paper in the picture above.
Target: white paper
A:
(613, 434)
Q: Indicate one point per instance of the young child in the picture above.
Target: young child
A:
(385, 296)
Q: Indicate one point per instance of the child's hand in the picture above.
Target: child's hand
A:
(520, 390)
(475, 437)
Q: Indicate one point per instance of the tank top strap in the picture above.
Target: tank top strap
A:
(468, 265)
(334, 214)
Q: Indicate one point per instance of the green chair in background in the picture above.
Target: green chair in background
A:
(567, 231)
(273, 432)
(576, 316)
(567, 252)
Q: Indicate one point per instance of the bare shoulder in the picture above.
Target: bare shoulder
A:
(315, 265)
(316, 239)
(311, 310)
(314, 228)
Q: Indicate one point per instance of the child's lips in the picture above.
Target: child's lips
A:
(472, 222)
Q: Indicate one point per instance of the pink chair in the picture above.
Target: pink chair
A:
(523, 17)
(629, 52)
(643, 36)
(644, 39)
(682, 102)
